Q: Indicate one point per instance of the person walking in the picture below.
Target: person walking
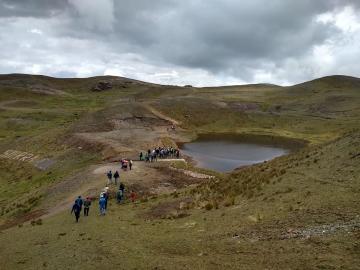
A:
(87, 204)
(116, 177)
(109, 175)
(106, 196)
(102, 208)
(141, 156)
(122, 188)
(119, 196)
(76, 209)
(79, 201)
(133, 196)
(130, 164)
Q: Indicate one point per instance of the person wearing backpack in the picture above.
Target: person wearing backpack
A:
(102, 202)
(79, 201)
(87, 204)
(106, 197)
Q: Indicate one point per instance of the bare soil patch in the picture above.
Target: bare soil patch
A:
(22, 219)
(171, 210)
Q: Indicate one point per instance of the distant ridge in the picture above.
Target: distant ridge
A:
(36, 77)
(25, 80)
(334, 81)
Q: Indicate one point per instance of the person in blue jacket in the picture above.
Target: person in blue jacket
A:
(79, 201)
(77, 210)
(102, 202)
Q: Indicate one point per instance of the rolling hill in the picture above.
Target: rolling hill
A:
(59, 136)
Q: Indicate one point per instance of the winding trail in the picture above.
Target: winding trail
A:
(160, 114)
(143, 176)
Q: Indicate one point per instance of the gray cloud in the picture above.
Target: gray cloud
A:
(216, 41)
(31, 8)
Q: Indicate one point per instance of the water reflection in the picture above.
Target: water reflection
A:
(225, 155)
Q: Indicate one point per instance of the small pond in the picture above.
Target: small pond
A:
(225, 152)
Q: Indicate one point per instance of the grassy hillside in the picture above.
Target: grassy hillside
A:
(285, 212)
(300, 210)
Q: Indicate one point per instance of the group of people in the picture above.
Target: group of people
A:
(110, 176)
(103, 198)
(125, 163)
(159, 152)
(78, 205)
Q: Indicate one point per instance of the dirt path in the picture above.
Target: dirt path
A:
(144, 178)
(160, 114)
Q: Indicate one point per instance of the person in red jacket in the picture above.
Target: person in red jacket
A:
(133, 196)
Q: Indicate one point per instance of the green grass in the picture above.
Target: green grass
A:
(234, 221)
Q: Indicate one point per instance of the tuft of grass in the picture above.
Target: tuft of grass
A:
(208, 206)
(229, 201)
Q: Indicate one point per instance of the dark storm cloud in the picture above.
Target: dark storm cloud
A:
(222, 37)
(218, 35)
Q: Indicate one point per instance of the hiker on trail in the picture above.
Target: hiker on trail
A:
(79, 201)
(133, 196)
(109, 175)
(141, 156)
(119, 196)
(130, 164)
(76, 209)
(102, 208)
(122, 188)
(106, 196)
(87, 204)
(124, 164)
(116, 177)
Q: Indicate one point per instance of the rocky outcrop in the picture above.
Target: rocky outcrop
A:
(102, 86)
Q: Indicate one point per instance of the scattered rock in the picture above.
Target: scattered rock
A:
(192, 174)
(102, 86)
(189, 224)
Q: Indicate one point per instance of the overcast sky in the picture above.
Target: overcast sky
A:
(198, 42)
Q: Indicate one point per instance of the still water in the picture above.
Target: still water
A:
(225, 155)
